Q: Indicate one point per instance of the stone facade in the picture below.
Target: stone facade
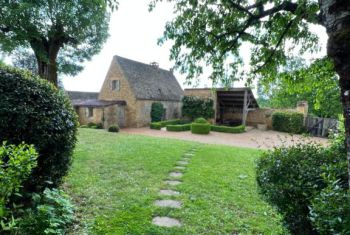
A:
(135, 86)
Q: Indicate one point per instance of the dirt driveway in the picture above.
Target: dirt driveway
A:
(253, 138)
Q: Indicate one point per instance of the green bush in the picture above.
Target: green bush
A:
(160, 125)
(290, 177)
(200, 120)
(291, 122)
(99, 125)
(156, 126)
(52, 213)
(33, 111)
(184, 127)
(228, 129)
(157, 112)
(16, 164)
(194, 107)
(330, 210)
(113, 128)
(84, 126)
(91, 125)
(200, 128)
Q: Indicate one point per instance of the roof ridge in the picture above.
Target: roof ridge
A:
(134, 61)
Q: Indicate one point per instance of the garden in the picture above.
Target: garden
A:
(57, 178)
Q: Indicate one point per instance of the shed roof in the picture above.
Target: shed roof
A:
(150, 82)
(82, 95)
(96, 103)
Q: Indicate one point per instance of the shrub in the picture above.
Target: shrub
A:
(194, 107)
(91, 125)
(99, 125)
(200, 128)
(156, 126)
(184, 127)
(113, 128)
(200, 120)
(291, 122)
(16, 164)
(330, 210)
(84, 126)
(160, 125)
(157, 112)
(52, 213)
(228, 129)
(33, 111)
(289, 178)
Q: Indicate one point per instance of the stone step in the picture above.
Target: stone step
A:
(168, 203)
(176, 174)
(166, 222)
(173, 182)
(169, 192)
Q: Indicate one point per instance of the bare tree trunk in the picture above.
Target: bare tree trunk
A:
(336, 19)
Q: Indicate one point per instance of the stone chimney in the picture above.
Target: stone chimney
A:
(155, 65)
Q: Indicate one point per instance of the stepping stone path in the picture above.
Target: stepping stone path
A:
(174, 204)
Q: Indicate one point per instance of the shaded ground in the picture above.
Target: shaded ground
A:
(253, 138)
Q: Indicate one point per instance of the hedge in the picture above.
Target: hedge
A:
(200, 128)
(185, 127)
(286, 121)
(228, 129)
(160, 125)
(33, 111)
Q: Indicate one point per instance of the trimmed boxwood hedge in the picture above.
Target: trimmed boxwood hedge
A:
(287, 121)
(160, 125)
(185, 127)
(228, 129)
(200, 128)
(33, 111)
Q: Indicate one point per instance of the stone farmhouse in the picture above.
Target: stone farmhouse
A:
(126, 96)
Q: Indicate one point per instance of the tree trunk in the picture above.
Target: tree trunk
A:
(46, 54)
(336, 18)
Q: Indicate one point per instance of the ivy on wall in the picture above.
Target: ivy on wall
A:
(194, 107)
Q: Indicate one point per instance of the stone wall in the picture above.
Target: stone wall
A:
(173, 110)
(201, 93)
(124, 93)
(113, 116)
(84, 119)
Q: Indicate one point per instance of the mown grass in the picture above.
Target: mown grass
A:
(115, 180)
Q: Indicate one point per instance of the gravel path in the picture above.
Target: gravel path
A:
(253, 138)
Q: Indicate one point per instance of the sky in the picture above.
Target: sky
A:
(134, 32)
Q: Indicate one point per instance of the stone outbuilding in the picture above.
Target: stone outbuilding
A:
(127, 94)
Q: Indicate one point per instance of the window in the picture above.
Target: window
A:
(115, 85)
(89, 112)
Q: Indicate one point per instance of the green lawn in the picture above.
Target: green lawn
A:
(115, 180)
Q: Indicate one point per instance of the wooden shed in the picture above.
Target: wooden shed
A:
(231, 105)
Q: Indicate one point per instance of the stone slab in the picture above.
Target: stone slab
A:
(168, 203)
(173, 182)
(166, 222)
(176, 174)
(182, 163)
(169, 192)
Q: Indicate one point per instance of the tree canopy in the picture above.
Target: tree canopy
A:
(318, 84)
(61, 33)
(211, 33)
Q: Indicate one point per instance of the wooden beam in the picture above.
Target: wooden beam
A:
(245, 107)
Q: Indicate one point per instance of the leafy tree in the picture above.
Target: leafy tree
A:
(61, 33)
(317, 84)
(211, 33)
(24, 59)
